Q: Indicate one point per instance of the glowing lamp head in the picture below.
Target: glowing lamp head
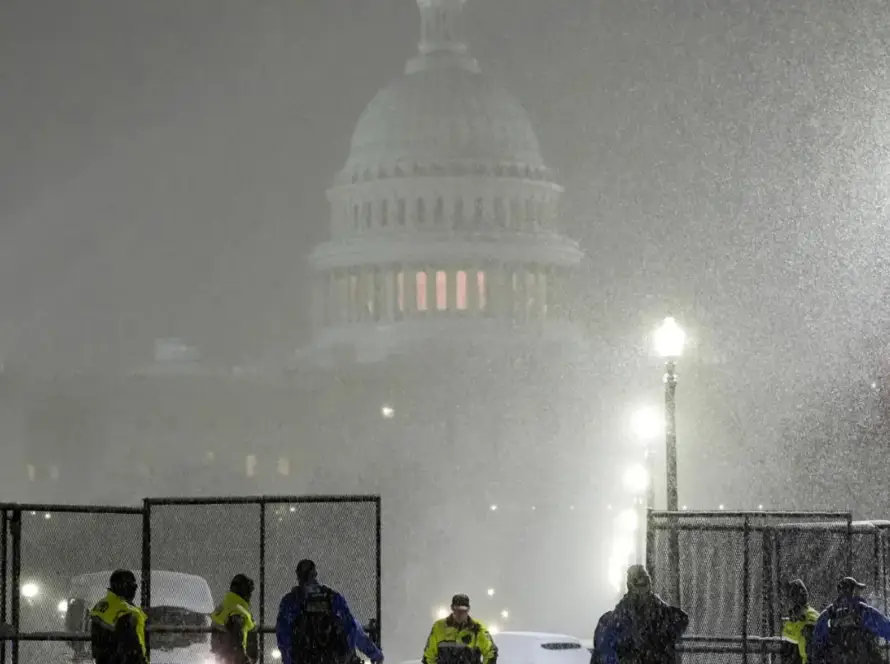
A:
(30, 590)
(276, 654)
(505, 614)
(490, 592)
(442, 613)
(494, 630)
(647, 423)
(669, 339)
(635, 479)
(388, 412)
(62, 606)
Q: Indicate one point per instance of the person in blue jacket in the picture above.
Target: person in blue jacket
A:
(848, 630)
(315, 625)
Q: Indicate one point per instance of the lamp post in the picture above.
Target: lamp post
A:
(669, 341)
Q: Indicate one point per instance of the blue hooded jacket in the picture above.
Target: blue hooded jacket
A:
(289, 610)
(870, 619)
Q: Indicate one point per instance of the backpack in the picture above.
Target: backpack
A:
(318, 633)
(848, 640)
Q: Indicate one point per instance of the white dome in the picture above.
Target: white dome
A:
(442, 116)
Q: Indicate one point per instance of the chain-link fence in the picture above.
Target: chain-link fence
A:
(729, 571)
(55, 563)
(45, 549)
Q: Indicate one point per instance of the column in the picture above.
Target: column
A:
(410, 282)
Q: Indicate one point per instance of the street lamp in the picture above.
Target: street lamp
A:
(669, 341)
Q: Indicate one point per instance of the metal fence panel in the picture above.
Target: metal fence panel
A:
(733, 567)
(49, 550)
(341, 537)
(55, 562)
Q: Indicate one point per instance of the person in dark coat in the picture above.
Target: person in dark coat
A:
(847, 631)
(643, 628)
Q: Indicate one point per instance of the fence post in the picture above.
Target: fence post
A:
(16, 597)
(768, 608)
(146, 568)
(379, 536)
(746, 583)
(4, 571)
(262, 580)
(850, 544)
(650, 544)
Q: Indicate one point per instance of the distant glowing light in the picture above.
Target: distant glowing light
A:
(571, 508)
(387, 411)
(276, 654)
(293, 509)
(494, 630)
(721, 507)
(628, 520)
(442, 613)
(760, 507)
(491, 592)
(669, 339)
(493, 508)
(685, 507)
(47, 516)
(647, 423)
(30, 590)
(534, 508)
(505, 614)
(636, 478)
(63, 606)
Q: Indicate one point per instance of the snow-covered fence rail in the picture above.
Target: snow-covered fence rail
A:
(55, 561)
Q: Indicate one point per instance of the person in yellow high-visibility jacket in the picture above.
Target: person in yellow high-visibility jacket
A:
(798, 626)
(460, 639)
(233, 624)
(117, 629)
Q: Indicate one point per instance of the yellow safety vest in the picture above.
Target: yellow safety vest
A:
(111, 609)
(793, 630)
(233, 604)
(449, 642)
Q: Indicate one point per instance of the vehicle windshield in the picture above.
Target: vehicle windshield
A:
(171, 617)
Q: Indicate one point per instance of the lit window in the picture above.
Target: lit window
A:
(400, 290)
(480, 284)
(284, 466)
(441, 290)
(461, 294)
(421, 291)
(250, 465)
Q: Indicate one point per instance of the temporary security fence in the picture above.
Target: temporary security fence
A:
(55, 561)
(729, 570)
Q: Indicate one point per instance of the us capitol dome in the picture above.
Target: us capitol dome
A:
(444, 219)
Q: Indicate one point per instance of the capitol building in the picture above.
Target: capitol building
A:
(446, 371)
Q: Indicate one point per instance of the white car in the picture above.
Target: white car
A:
(538, 648)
